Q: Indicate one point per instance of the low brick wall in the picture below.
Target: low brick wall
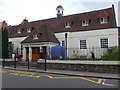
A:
(74, 67)
(83, 67)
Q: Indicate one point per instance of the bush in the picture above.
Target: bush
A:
(112, 53)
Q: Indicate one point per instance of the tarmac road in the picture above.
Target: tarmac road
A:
(25, 79)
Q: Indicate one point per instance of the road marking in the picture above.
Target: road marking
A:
(109, 84)
(56, 75)
(33, 74)
(100, 81)
(23, 72)
(106, 83)
(77, 77)
(38, 76)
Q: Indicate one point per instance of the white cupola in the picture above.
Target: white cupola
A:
(59, 10)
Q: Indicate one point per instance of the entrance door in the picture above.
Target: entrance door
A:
(43, 53)
(35, 53)
(27, 53)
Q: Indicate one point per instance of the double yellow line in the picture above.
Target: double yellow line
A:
(33, 74)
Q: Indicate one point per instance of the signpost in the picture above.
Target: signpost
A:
(15, 61)
(66, 45)
(28, 64)
(45, 54)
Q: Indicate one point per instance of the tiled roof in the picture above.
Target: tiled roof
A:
(58, 25)
(85, 17)
(44, 35)
(67, 19)
(103, 14)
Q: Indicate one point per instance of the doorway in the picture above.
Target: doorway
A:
(35, 53)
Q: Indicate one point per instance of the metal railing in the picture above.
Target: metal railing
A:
(24, 64)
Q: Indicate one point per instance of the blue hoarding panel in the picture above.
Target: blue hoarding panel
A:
(58, 51)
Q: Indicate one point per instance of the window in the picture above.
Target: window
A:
(58, 11)
(63, 43)
(104, 43)
(29, 30)
(35, 36)
(103, 20)
(85, 22)
(67, 25)
(83, 44)
(10, 46)
(19, 31)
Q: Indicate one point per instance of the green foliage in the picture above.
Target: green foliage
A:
(4, 43)
(0, 43)
(112, 53)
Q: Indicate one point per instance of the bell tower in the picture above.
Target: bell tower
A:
(59, 10)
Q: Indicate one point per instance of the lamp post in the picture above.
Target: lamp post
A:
(66, 45)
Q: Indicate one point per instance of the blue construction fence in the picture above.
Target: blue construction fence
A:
(58, 52)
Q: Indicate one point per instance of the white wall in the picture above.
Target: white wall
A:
(92, 38)
(16, 41)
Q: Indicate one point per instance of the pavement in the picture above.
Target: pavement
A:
(69, 73)
(83, 62)
(100, 62)
(74, 73)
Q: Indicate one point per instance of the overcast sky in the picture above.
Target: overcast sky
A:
(14, 11)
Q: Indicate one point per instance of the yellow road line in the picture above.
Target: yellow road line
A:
(100, 81)
(56, 75)
(37, 76)
(23, 73)
(76, 77)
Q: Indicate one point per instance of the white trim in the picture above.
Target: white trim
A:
(86, 22)
(67, 25)
(104, 20)
(28, 30)
(86, 44)
(35, 36)
(100, 42)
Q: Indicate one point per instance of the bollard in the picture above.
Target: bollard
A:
(45, 64)
(28, 64)
(3, 63)
(45, 54)
(15, 62)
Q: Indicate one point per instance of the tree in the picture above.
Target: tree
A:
(0, 43)
(4, 43)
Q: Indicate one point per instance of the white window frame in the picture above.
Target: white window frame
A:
(67, 25)
(85, 22)
(19, 31)
(84, 45)
(103, 43)
(28, 30)
(103, 20)
(35, 36)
